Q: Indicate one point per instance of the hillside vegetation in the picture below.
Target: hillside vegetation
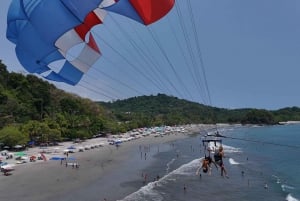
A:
(32, 110)
(166, 110)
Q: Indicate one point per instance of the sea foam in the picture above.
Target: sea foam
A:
(233, 162)
(289, 197)
(149, 191)
(169, 165)
(285, 187)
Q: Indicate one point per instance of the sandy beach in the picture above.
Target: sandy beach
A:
(101, 168)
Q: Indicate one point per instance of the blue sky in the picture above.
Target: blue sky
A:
(250, 51)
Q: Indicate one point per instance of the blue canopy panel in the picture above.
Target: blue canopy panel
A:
(51, 19)
(34, 27)
(16, 20)
(31, 49)
(57, 158)
(85, 7)
(45, 30)
(29, 62)
(67, 74)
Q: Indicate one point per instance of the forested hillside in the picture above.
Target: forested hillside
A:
(32, 110)
(166, 110)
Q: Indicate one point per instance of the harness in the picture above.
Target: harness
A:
(217, 156)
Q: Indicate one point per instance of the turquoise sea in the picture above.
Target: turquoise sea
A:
(276, 153)
(262, 164)
(256, 157)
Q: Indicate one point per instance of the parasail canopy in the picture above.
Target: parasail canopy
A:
(46, 31)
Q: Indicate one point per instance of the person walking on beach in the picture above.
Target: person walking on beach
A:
(218, 156)
(145, 178)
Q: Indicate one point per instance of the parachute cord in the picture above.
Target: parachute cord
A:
(105, 74)
(141, 53)
(170, 64)
(265, 142)
(190, 50)
(103, 90)
(202, 78)
(95, 91)
(117, 80)
(87, 87)
(153, 61)
(136, 68)
(258, 141)
(184, 56)
(199, 50)
(96, 78)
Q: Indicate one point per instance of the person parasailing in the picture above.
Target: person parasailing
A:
(218, 157)
(207, 160)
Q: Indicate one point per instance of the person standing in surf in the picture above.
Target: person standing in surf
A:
(218, 156)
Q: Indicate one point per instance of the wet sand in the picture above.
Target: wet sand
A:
(99, 175)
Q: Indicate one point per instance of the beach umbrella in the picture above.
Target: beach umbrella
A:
(5, 165)
(66, 151)
(20, 154)
(24, 158)
(18, 146)
(6, 147)
(57, 158)
(31, 143)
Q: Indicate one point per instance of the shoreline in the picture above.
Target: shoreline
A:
(51, 180)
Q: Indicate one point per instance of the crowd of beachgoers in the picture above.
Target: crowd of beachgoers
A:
(65, 150)
(74, 165)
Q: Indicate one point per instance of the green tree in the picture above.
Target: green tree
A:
(259, 117)
(11, 136)
(39, 132)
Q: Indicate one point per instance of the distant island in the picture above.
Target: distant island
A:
(32, 110)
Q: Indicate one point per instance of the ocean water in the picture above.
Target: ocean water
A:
(260, 166)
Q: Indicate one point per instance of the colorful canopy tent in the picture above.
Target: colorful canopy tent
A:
(57, 158)
(20, 154)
